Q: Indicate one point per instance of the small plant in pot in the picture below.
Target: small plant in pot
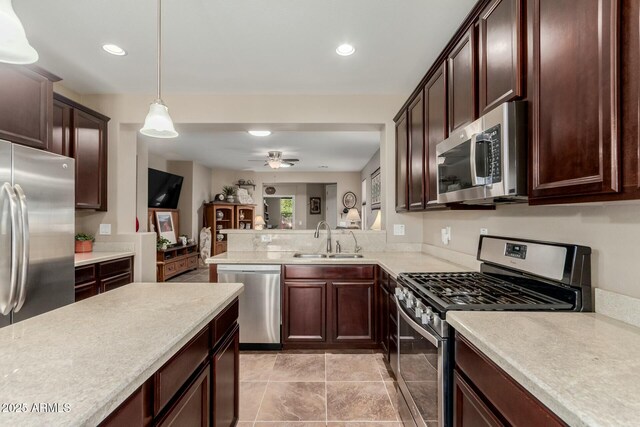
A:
(162, 243)
(229, 193)
(84, 243)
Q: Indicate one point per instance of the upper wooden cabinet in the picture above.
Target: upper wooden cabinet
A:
(436, 131)
(500, 54)
(402, 148)
(416, 153)
(574, 98)
(25, 106)
(81, 133)
(462, 82)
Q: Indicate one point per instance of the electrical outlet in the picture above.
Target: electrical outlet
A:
(105, 229)
(445, 235)
(266, 238)
(398, 229)
(484, 231)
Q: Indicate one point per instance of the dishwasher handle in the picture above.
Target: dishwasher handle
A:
(248, 269)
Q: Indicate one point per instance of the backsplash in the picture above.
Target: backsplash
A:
(303, 241)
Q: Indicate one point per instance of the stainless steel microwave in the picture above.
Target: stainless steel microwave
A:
(486, 161)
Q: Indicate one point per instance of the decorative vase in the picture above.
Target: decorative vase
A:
(220, 214)
(241, 215)
(84, 246)
(230, 199)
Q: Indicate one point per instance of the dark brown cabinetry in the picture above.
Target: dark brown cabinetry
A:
(96, 278)
(416, 154)
(387, 314)
(484, 395)
(81, 133)
(402, 167)
(26, 106)
(436, 128)
(328, 306)
(500, 54)
(461, 63)
(198, 386)
(574, 97)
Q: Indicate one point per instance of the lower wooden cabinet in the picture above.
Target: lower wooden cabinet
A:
(225, 364)
(101, 277)
(192, 407)
(327, 306)
(485, 395)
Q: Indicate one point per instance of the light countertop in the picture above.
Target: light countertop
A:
(393, 262)
(93, 354)
(95, 257)
(583, 366)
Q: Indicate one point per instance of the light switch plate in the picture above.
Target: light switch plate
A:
(398, 229)
(265, 238)
(484, 231)
(105, 229)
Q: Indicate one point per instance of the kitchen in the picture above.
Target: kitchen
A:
(446, 70)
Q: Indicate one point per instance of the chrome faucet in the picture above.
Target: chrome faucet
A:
(357, 249)
(317, 234)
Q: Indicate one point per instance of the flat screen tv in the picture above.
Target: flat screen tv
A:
(164, 189)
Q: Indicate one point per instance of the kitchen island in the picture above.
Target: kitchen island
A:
(79, 363)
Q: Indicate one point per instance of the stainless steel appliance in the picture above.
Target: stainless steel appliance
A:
(37, 222)
(516, 274)
(260, 314)
(486, 161)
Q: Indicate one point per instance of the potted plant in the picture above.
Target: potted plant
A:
(229, 193)
(162, 243)
(84, 243)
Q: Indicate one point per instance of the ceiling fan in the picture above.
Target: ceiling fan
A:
(275, 160)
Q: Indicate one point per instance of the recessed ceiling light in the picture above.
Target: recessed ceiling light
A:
(345, 50)
(114, 49)
(260, 132)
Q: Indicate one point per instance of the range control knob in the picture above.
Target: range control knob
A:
(425, 319)
(419, 311)
(409, 302)
(399, 294)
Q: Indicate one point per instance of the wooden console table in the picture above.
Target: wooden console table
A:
(176, 260)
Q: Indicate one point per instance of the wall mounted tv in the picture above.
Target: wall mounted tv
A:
(164, 189)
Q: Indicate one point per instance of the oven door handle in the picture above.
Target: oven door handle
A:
(476, 180)
(423, 330)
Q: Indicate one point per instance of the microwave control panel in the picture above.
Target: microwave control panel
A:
(493, 136)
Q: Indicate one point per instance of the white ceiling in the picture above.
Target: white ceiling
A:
(242, 46)
(342, 151)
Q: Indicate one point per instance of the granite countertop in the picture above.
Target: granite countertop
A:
(95, 257)
(583, 366)
(393, 262)
(95, 353)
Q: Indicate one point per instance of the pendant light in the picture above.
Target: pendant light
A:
(158, 123)
(14, 46)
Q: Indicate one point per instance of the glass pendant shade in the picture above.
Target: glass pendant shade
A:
(275, 164)
(14, 46)
(158, 123)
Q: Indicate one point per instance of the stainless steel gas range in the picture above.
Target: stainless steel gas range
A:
(515, 274)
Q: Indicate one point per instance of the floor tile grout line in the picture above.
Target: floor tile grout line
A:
(384, 383)
(326, 392)
(255, 420)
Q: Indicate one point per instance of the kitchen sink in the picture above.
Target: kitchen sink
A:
(302, 255)
(346, 256)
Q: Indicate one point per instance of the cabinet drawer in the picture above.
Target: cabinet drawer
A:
(169, 268)
(86, 290)
(85, 274)
(175, 373)
(192, 262)
(110, 283)
(513, 402)
(341, 272)
(181, 265)
(192, 408)
(111, 268)
(224, 322)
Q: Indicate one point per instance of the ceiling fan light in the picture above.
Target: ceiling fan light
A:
(14, 46)
(158, 123)
(274, 164)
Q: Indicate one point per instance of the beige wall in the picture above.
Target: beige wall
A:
(612, 231)
(157, 162)
(185, 203)
(201, 193)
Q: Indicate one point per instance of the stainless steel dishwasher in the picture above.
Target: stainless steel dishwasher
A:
(260, 314)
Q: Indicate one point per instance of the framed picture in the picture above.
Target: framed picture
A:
(376, 190)
(165, 226)
(315, 205)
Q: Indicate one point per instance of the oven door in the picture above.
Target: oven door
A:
(423, 372)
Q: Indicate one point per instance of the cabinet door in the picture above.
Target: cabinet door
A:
(384, 320)
(573, 49)
(90, 153)
(500, 47)
(436, 130)
(352, 313)
(304, 316)
(416, 153)
(402, 147)
(61, 138)
(25, 106)
(469, 409)
(192, 407)
(462, 87)
(225, 387)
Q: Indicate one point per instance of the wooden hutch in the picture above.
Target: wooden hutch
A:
(227, 216)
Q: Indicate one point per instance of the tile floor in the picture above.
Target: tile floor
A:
(195, 276)
(315, 388)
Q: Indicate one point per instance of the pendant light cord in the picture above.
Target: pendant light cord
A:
(159, 47)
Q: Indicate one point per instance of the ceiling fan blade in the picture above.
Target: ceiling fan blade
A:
(261, 160)
(291, 160)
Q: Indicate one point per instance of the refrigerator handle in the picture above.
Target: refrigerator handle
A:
(24, 267)
(7, 306)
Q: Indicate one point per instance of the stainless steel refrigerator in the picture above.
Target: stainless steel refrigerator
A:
(37, 211)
